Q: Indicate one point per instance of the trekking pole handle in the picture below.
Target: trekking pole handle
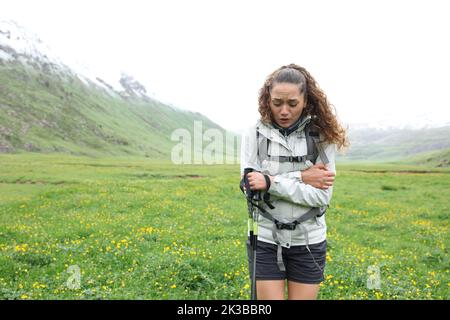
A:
(255, 195)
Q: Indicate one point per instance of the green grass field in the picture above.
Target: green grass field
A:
(140, 229)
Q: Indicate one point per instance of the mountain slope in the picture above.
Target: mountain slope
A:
(395, 144)
(437, 158)
(46, 106)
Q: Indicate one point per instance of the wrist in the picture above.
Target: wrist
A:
(269, 181)
(304, 177)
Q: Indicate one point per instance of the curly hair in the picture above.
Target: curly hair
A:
(316, 103)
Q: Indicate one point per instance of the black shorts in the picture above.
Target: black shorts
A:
(301, 266)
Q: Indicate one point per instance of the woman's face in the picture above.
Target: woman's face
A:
(286, 103)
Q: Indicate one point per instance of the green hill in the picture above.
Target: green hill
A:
(57, 112)
(438, 158)
(395, 144)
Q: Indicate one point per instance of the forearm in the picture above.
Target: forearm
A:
(297, 192)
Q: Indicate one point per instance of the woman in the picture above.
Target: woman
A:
(292, 152)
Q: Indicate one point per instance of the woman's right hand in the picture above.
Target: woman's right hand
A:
(318, 176)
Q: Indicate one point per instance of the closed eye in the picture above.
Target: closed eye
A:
(278, 102)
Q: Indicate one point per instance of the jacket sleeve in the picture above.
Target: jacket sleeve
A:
(297, 192)
(249, 155)
(249, 158)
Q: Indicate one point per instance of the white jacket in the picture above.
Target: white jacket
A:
(290, 196)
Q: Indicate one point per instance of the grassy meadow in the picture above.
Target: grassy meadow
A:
(143, 229)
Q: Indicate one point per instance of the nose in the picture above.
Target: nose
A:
(284, 112)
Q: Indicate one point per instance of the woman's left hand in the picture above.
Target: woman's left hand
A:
(257, 181)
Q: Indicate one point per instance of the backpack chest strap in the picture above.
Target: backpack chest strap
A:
(291, 158)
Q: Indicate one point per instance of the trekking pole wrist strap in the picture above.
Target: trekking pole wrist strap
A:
(268, 182)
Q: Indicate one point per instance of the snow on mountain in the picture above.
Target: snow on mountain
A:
(19, 44)
(16, 43)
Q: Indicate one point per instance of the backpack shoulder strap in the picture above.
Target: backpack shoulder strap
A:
(313, 144)
(311, 147)
(262, 145)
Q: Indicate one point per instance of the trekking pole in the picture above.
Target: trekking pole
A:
(252, 253)
(253, 229)
(254, 241)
